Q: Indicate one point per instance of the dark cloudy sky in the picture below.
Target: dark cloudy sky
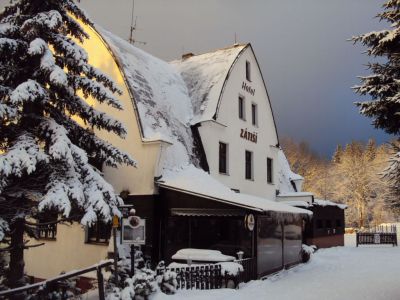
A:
(301, 46)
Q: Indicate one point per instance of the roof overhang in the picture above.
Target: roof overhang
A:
(194, 181)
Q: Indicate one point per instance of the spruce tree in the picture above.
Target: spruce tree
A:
(46, 157)
(382, 85)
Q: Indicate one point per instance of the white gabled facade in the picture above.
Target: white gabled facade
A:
(220, 120)
(234, 130)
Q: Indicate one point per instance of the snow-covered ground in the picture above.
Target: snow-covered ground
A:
(365, 273)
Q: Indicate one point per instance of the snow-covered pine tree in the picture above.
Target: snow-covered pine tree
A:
(383, 84)
(46, 157)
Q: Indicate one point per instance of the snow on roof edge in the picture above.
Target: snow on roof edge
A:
(192, 180)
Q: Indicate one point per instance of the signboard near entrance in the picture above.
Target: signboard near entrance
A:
(133, 231)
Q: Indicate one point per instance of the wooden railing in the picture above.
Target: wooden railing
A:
(202, 277)
(211, 276)
(379, 238)
(43, 287)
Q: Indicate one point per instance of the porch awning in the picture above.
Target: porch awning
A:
(194, 181)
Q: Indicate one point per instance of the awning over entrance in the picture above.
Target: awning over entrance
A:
(194, 181)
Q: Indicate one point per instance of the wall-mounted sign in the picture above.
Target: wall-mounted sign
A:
(247, 135)
(249, 221)
(133, 231)
(248, 88)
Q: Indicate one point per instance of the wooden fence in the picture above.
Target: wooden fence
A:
(210, 276)
(378, 235)
(42, 288)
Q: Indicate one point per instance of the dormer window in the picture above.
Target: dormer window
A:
(248, 71)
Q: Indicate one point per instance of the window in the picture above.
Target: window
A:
(249, 164)
(328, 224)
(254, 119)
(248, 71)
(319, 224)
(269, 170)
(47, 231)
(242, 109)
(223, 158)
(98, 233)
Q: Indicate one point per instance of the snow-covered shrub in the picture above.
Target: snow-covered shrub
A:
(306, 252)
(144, 282)
(167, 281)
(140, 286)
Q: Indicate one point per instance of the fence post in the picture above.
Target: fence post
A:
(356, 239)
(100, 281)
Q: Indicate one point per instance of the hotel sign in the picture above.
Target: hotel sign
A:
(248, 88)
(247, 135)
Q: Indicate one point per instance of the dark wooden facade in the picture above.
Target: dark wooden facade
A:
(177, 220)
(326, 228)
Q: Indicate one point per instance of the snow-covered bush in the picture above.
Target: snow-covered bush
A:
(140, 286)
(167, 279)
(306, 252)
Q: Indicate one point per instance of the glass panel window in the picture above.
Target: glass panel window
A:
(269, 170)
(223, 158)
(249, 164)
(254, 119)
(242, 108)
(99, 233)
(248, 71)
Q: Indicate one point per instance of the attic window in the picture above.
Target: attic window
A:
(242, 111)
(269, 170)
(248, 71)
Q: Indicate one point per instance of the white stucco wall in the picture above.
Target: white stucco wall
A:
(212, 133)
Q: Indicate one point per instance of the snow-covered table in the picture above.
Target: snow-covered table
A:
(201, 255)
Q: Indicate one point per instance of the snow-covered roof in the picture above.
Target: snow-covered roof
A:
(296, 194)
(319, 202)
(205, 76)
(285, 174)
(161, 97)
(193, 181)
(297, 203)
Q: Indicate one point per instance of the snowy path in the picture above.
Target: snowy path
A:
(364, 273)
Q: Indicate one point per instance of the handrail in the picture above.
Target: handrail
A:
(96, 267)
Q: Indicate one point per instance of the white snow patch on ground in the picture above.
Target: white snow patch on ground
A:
(363, 273)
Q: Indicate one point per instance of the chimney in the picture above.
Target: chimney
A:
(187, 55)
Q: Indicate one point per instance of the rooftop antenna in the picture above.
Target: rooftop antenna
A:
(133, 27)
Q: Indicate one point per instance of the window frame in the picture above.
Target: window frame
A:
(48, 231)
(254, 114)
(98, 239)
(226, 158)
(270, 170)
(242, 107)
(251, 164)
(248, 71)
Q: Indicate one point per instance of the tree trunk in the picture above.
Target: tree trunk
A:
(16, 272)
